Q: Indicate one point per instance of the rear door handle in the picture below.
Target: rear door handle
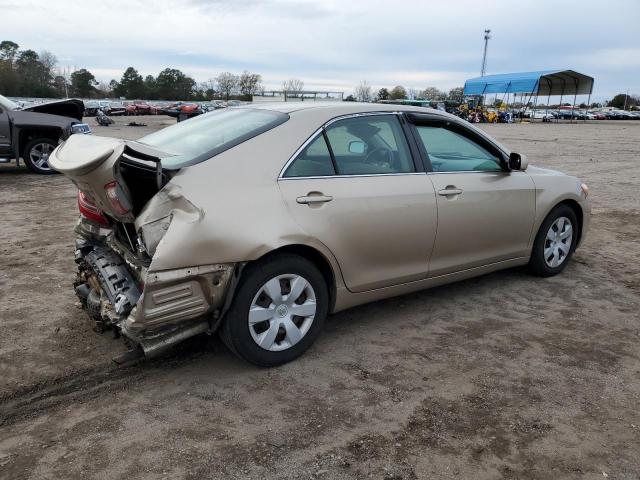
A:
(446, 192)
(308, 199)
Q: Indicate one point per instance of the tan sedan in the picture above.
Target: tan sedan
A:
(259, 221)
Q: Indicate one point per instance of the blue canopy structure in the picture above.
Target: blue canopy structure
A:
(544, 82)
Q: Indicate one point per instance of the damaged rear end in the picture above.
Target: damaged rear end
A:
(127, 205)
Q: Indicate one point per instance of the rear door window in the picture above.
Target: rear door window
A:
(370, 145)
(313, 161)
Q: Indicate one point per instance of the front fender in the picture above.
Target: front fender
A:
(552, 190)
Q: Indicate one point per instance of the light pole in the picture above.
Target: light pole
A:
(487, 36)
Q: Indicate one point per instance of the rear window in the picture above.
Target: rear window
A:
(200, 138)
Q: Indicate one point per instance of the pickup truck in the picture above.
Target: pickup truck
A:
(33, 132)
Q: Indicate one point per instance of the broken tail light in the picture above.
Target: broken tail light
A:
(117, 198)
(90, 211)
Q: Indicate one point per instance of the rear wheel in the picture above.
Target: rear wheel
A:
(278, 311)
(36, 155)
(555, 242)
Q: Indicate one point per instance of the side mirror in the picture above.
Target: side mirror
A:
(518, 161)
(357, 147)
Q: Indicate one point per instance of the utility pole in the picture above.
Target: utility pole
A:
(484, 54)
(626, 97)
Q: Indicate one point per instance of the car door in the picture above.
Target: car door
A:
(485, 213)
(356, 186)
(5, 131)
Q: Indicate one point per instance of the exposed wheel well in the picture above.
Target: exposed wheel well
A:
(318, 259)
(577, 209)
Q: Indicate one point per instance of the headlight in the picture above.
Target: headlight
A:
(584, 189)
(80, 128)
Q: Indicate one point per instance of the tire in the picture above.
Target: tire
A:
(36, 154)
(551, 252)
(280, 272)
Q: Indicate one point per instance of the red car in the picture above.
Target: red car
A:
(141, 108)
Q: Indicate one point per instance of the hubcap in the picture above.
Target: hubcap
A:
(557, 243)
(39, 155)
(282, 312)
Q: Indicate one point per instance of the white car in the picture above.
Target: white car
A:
(543, 115)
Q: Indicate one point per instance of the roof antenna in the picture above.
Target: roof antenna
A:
(484, 54)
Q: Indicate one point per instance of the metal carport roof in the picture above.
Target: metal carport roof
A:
(544, 82)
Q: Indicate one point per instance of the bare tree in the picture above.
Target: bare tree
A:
(48, 59)
(432, 93)
(413, 93)
(292, 87)
(363, 92)
(397, 93)
(249, 83)
(456, 94)
(227, 83)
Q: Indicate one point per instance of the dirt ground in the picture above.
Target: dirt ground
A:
(503, 376)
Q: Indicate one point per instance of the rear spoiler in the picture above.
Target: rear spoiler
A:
(81, 154)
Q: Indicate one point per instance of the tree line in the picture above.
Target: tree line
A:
(26, 73)
(363, 92)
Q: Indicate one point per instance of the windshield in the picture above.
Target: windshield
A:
(8, 104)
(195, 140)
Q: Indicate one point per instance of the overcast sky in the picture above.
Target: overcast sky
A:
(331, 44)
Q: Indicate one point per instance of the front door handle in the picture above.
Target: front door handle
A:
(314, 197)
(450, 190)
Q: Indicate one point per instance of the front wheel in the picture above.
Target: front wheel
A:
(278, 310)
(36, 155)
(555, 242)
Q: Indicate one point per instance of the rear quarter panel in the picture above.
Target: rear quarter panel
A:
(243, 214)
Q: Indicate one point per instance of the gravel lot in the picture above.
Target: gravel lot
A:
(503, 376)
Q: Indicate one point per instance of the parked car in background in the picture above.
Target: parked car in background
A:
(143, 108)
(306, 209)
(183, 111)
(618, 115)
(599, 116)
(91, 108)
(114, 109)
(543, 115)
(33, 132)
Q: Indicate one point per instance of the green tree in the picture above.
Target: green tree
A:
(131, 85)
(33, 76)
(383, 94)
(8, 51)
(8, 77)
(83, 83)
(172, 84)
(621, 99)
(150, 88)
(397, 93)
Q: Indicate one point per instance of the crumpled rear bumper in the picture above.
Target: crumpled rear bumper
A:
(152, 310)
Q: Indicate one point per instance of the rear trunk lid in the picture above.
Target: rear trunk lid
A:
(94, 165)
